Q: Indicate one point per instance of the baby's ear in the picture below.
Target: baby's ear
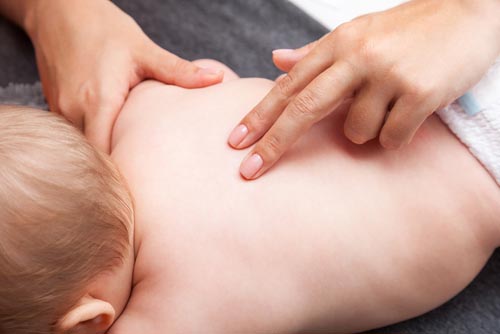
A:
(89, 316)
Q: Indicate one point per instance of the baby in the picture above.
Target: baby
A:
(338, 238)
(65, 219)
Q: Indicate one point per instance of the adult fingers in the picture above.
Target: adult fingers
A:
(99, 124)
(367, 114)
(262, 117)
(168, 68)
(319, 98)
(405, 118)
(286, 59)
(98, 128)
(229, 74)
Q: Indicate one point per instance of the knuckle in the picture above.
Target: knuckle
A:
(328, 45)
(420, 91)
(271, 147)
(370, 52)
(178, 63)
(346, 32)
(415, 90)
(255, 119)
(367, 19)
(399, 75)
(345, 73)
(285, 86)
(304, 106)
(180, 67)
(85, 92)
(187, 66)
(88, 93)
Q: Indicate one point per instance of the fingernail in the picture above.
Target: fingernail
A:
(237, 136)
(251, 166)
(283, 52)
(210, 72)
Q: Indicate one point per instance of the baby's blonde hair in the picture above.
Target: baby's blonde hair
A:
(65, 216)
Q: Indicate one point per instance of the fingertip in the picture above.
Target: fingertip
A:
(390, 144)
(286, 59)
(251, 167)
(279, 53)
(237, 136)
(163, 66)
(203, 77)
(213, 74)
(283, 64)
(200, 78)
(353, 136)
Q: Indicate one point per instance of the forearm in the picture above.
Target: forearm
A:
(18, 11)
(487, 12)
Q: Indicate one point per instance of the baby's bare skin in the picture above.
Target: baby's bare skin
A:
(337, 237)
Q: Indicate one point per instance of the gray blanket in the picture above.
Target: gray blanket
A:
(242, 34)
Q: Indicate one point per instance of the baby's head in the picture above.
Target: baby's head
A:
(66, 226)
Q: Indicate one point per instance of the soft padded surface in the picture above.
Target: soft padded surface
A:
(240, 33)
(243, 34)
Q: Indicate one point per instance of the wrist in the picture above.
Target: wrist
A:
(19, 11)
(51, 12)
(43, 12)
(486, 9)
(487, 14)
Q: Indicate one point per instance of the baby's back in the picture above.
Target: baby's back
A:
(336, 236)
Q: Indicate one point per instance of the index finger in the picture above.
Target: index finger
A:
(316, 101)
(262, 117)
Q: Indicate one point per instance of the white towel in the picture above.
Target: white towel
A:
(475, 120)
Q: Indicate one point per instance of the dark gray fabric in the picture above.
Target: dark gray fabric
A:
(242, 34)
(476, 310)
(17, 62)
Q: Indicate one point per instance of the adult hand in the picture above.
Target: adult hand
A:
(90, 54)
(410, 60)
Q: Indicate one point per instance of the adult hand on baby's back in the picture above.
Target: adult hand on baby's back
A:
(90, 54)
(410, 60)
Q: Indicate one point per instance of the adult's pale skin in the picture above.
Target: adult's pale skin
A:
(90, 54)
(410, 60)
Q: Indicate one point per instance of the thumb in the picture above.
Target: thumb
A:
(285, 59)
(168, 68)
